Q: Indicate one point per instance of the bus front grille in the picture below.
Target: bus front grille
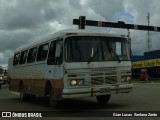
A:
(101, 80)
(103, 76)
(94, 77)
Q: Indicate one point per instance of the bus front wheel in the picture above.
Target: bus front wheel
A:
(52, 103)
(103, 99)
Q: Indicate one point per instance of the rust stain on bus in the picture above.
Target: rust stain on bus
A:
(37, 86)
(57, 86)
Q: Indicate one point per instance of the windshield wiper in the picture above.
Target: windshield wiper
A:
(115, 55)
(92, 57)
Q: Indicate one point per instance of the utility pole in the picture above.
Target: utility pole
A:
(149, 46)
(128, 35)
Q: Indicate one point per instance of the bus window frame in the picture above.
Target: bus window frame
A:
(55, 60)
(38, 58)
(29, 59)
(23, 62)
(16, 62)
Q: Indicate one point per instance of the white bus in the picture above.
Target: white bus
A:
(73, 64)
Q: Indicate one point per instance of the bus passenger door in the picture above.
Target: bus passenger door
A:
(59, 60)
(55, 58)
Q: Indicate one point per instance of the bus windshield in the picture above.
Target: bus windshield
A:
(96, 49)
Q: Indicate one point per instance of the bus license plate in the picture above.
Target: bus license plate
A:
(105, 90)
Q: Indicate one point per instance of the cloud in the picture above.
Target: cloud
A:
(23, 21)
(21, 14)
(139, 10)
(106, 8)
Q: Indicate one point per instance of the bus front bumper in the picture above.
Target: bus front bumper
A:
(97, 91)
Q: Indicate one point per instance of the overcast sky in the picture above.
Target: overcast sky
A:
(23, 21)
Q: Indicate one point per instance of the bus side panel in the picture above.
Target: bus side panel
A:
(32, 86)
(15, 85)
(39, 87)
(57, 86)
(34, 77)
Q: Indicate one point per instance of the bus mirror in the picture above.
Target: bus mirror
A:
(58, 49)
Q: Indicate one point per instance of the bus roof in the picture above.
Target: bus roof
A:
(65, 32)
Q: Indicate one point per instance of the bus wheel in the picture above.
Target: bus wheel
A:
(23, 96)
(103, 99)
(0, 86)
(52, 102)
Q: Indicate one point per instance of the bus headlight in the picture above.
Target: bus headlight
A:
(80, 82)
(73, 82)
(126, 79)
(1, 78)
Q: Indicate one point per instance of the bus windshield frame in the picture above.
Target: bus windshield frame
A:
(96, 49)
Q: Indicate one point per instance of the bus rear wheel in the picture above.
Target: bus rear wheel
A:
(103, 99)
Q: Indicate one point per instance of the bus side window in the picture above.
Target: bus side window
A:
(23, 57)
(51, 57)
(42, 52)
(16, 59)
(32, 55)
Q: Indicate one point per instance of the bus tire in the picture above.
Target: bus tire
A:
(52, 103)
(103, 99)
(50, 93)
(0, 86)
